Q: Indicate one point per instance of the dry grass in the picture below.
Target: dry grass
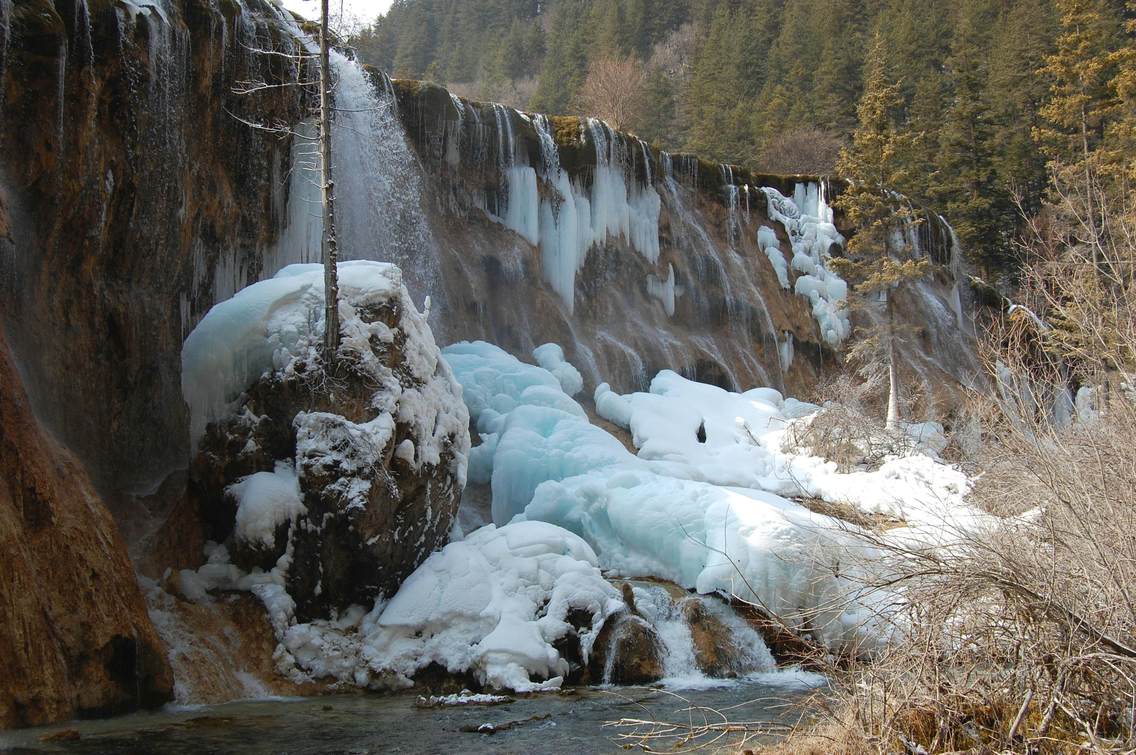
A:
(1020, 635)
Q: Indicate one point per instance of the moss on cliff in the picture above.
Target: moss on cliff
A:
(567, 130)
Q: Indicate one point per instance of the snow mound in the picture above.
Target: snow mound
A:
(493, 604)
(265, 500)
(708, 538)
(743, 447)
(531, 431)
(702, 502)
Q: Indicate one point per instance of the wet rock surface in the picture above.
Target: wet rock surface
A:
(628, 650)
(75, 637)
(715, 650)
(126, 177)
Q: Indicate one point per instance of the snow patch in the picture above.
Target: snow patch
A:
(265, 500)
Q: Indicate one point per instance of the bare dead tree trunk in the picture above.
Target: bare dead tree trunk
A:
(893, 367)
(327, 192)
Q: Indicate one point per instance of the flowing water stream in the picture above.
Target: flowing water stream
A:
(578, 721)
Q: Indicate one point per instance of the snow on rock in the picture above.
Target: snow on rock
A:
(493, 604)
(712, 539)
(265, 327)
(355, 473)
(808, 221)
(265, 501)
(461, 699)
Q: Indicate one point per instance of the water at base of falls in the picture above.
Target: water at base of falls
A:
(573, 721)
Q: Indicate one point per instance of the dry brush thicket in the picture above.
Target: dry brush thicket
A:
(1019, 635)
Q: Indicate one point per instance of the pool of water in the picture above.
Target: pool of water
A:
(580, 721)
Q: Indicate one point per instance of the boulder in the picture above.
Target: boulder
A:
(715, 651)
(627, 650)
(345, 476)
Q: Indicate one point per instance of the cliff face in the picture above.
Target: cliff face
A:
(75, 637)
(122, 177)
(127, 176)
(677, 275)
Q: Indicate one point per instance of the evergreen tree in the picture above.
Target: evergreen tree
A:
(1082, 97)
(566, 61)
(1121, 136)
(717, 123)
(873, 266)
(1024, 34)
(837, 78)
(964, 185)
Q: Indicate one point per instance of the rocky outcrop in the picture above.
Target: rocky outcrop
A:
(345, 476)
(627, 650)
(75, 637)
(715, 649)
(706, 303)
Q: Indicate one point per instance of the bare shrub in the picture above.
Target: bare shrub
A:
(847, 436)
(614, 91)
(808, 151)
(1021, 635)
(1018, 632)
(674, 55)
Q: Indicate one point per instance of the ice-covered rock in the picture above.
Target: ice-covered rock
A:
(351, 475)
(495, 604)
(705, 500)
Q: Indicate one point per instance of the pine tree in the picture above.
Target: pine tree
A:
(964, 183)
(916, 36)
(1121, 135)
(566, 62)
(836, 86)
(1024, 33)
(1082, 99)
(872, 265)
(717, 128)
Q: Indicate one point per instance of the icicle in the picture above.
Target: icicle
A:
(60, 95)
(82, 34)
(807, 221)
(731, 205)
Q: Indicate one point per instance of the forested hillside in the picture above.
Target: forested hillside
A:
(774, 84)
